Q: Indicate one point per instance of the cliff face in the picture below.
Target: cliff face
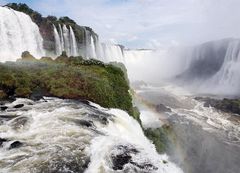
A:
(45, 25)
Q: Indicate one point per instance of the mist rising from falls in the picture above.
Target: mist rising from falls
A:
(18, 33)
(213, 67)
(209, 68)
(227, 78)
(152, 66)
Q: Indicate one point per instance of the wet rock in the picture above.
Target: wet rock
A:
(123, 157)
(8, 116)
(4, 118)
(3, 108)
(145, 166)
(2, 140)
(85, 123)
(101, 118)
(19, 106)
(15, 144)
(85, 102)
(120, 160)
(162, 108)
(164, 161)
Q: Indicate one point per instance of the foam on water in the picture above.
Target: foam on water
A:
(66, 136)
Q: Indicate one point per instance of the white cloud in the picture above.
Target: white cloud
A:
(137, 23)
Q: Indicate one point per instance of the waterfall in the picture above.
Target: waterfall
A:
(74, 48)
(104, 52)
(92, 48)
(213, 67)
(61, 37)
(65, 40)
(112, 52)
(227, 78)
(58, 46)
(18, 33)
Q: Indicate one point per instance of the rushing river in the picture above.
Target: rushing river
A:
(203, 140)
(65, 136)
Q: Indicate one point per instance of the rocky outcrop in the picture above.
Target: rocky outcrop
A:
(225, 105)
(68, 78)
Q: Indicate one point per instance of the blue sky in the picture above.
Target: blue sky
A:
(149, 23)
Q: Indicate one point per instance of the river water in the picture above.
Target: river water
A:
(65, 136)
(203, 140)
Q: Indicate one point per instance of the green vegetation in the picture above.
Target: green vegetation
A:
(67, 77)
(159, 137)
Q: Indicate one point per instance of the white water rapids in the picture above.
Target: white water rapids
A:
(69, 136)
(203, 139)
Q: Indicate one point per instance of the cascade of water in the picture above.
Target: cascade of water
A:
(112, 52)
(66, 38)
(92, 48)
(18, 33)
(74, 48)
(99, 50)
(90, 51)
(61, 37)
(58, 44)
(65, 41)
(227, 78)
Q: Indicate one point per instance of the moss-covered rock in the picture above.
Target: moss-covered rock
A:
(46, 59)
(26, 56)
(70, 78)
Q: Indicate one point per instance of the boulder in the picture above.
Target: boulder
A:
(2, 140)
(15, 144)
(26, 56)
(3, 108)
(19, 106)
